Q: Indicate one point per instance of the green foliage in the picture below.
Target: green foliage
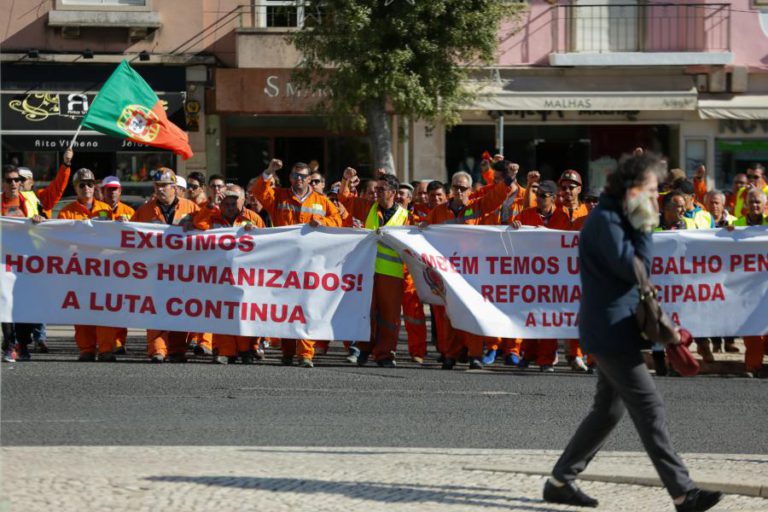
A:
(413, 56)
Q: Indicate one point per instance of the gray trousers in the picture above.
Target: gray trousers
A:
(624, 383)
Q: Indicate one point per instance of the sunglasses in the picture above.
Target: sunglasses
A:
(752, 177)
(89, 184)
(192, 187)
(380, 190)
(591, 200)
(568, 187)
(543, 196)
(315, 182)
(459, 188)
(14, 180)
(299, 176)
(217, 185)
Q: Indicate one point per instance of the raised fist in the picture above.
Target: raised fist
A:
(67, 158)
(275, 165)
(349, 173)
(533, 177)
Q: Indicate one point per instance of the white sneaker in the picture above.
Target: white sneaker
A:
(578, 365)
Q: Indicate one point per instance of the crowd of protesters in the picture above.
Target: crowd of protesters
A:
(200, 202)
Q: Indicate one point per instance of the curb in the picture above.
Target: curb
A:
(743, 489)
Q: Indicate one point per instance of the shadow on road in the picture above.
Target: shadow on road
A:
(372, 491)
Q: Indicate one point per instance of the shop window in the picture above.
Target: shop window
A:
(695, 154)
(734, 156)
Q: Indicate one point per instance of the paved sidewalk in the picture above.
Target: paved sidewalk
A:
(332, 479)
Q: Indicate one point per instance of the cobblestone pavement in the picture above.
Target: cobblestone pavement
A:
(326, 479)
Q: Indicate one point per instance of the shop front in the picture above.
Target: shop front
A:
(39, 122)
(584, 122)
(264, 115)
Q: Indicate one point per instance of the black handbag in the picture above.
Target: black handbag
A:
(654, 324)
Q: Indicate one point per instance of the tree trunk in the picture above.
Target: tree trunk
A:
(380, 135)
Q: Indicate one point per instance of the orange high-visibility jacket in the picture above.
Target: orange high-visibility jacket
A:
(150, 212)
(474, 212)
(211, 219)
(51, 194)
(532, 217)
(285, 209)
(122, 209)
(77, 211)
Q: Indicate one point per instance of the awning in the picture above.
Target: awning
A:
(583, 93)
(746, 106)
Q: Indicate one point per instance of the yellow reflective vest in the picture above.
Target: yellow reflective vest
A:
(388, 262)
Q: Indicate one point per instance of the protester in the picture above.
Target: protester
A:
(614, 235)
(216, 185)
(545, 214)
(739, 182)
(227, 348)
(22, 204)
(196, 189)
(388, 270)
(298, 204)
(166, 207)
(755, 180)
(437, 194)
(317, 182)
(404, 197)
(700, 217)
(460, 209)
(111, 192)
(85, 207)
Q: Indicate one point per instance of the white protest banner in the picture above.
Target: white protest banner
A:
(496, 281)
(292, 282)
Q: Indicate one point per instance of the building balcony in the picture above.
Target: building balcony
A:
(640, 34)
(261, 36)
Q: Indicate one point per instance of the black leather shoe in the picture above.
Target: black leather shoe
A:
(568, 494)
(698, 501)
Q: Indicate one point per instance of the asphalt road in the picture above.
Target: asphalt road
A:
(54, 400)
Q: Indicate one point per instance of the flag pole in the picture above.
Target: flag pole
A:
(72, 142)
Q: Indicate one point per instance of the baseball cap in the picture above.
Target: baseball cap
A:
(110, 182)
(406, 185)
(570, 175)
(181, 182)
(83, 175)
(548, 187)
(25, 172)
(165, 175)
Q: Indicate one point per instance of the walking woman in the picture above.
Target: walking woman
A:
(616, 231)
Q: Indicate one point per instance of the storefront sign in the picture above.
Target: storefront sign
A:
(83, 143)
(743, 127)
(262, 91)
(57, 111)
(544, 115)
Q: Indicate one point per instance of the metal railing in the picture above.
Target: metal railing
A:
(277, 14)
(641, 27)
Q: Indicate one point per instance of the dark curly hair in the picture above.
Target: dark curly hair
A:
(632, 172)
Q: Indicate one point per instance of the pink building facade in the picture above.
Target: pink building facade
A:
(577, 84)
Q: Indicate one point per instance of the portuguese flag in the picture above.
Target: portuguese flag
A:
(127, 108)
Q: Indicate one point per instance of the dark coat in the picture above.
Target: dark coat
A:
(607, 247)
